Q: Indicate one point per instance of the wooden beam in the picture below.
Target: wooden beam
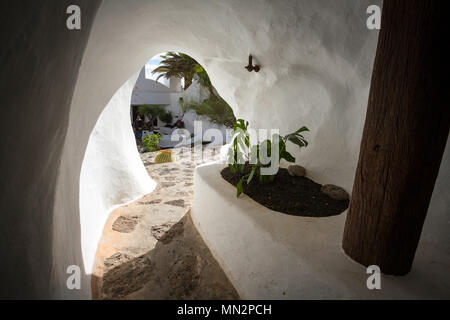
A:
(404, 137)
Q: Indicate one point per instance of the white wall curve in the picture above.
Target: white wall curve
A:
(316, 59)
(270, 255)
(111, 149)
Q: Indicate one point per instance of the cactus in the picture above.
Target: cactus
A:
(164, 156)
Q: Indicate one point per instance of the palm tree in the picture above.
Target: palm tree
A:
(180, 65)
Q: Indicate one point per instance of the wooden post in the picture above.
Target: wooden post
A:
(404, 137)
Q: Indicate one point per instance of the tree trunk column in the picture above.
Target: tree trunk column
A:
(404, 137)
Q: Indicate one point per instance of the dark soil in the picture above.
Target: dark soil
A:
(296, 196)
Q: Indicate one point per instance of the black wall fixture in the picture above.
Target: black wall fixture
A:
(252, 67)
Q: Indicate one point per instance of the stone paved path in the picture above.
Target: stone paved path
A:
(150, 248)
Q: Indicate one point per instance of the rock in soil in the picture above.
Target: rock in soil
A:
(335, 192)
(297, 196)
(296, 171)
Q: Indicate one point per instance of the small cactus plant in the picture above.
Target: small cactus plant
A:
(164, 156)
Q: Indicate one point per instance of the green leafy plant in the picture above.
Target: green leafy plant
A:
(257, 155)
(239, 147)
(150, 111)
(215, 108)
(180, 65)
(151, 142)
(166, 117)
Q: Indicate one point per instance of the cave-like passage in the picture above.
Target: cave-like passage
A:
(149, 248)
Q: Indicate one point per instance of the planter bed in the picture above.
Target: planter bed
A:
(297, 196)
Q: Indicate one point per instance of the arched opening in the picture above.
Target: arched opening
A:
(136, 215)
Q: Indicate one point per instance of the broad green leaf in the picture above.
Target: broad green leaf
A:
(241, 142)
(282, 146)
(239, 188)
(252, 173)
(289, 157)
(302, 129)
(296, 141)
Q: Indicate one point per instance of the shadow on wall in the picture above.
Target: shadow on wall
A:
(40, 61)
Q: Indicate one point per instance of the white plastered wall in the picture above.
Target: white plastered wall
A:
(108, 180)
(316, 59)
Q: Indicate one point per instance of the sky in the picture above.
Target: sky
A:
(151, 65)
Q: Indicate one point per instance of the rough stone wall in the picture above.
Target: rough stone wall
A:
(40, 59)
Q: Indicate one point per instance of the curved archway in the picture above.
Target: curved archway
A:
(111, 149)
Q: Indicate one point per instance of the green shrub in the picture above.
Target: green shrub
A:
(241, 151)
(150, 111)
(215, 108)
(151, 142)
(166, 117)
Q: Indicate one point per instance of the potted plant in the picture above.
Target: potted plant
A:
(241, 153)
(254, 168)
